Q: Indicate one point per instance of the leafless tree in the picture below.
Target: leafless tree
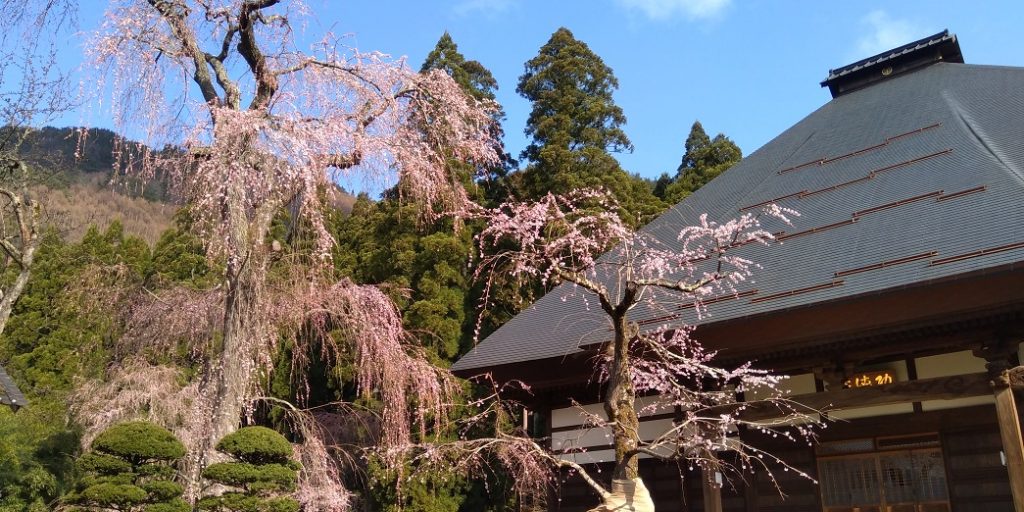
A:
(34, 90)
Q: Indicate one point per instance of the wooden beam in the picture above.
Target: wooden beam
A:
(938, 388)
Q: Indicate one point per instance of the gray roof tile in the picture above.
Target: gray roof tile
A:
(974, 136)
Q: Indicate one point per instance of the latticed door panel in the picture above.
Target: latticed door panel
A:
(850, 483)
(896, 481)
(910, 480)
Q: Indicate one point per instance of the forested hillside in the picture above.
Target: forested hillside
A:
(75, 181)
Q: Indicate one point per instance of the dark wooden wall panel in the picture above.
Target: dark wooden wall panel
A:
(976, 478)
(978, 481)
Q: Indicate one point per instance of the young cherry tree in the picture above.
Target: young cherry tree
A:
(578, 239)
(256, 124)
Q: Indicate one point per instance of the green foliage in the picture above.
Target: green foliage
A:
(704, 159)
(575, 125)
(424, 265)
(263, 478)
(179, 256)
(35, 461)
(433, 493)
(472, 76)
(103, 464)
(59, 333)
(138, 442)
(253, 476)
(130, 469)
(486, 185)
(256, 445)
(437, 491)
(52, 338)
(571, 90)
(176, 505)
(245, 503)
(111, 495)
(163, 490)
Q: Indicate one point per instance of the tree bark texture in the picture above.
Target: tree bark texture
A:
(628, 492)
(620, 405)
(13, 292)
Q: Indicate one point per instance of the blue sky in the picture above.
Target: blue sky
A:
(746, 69)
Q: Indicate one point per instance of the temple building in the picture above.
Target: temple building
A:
(895, 301)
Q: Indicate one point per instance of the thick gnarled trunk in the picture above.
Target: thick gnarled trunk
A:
(628, 493)
(232, 367)
(233, 374)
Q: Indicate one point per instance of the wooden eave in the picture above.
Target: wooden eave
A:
(927, 317)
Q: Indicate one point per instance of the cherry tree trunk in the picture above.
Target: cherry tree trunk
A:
(231, 369)
(628, 493)
(229, 374)
(242, 334)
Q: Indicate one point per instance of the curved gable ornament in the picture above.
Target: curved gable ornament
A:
(10, 395)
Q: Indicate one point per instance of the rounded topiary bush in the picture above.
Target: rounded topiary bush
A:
(103, 464)
(262, 476)
(256, 445)
(130, 469)
(243, 474)
(139, 441)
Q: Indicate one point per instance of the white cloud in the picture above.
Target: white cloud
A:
(487, 8)
(665, 9)
(885, 33)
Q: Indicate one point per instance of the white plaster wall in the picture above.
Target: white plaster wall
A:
(944, 365)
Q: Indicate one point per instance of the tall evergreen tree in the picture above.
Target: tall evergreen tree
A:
(575, 126)
(704, 159)
(571, 90)
(477, 81)
(474, 78)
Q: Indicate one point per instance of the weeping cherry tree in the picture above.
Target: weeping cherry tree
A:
(253, 123)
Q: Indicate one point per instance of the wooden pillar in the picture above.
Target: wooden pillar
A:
(712, 491)
(1009, 425)
(1009, 430)
(712, 486)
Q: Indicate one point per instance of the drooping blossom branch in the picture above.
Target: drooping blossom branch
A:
(313, 115)
(359, 321)
(320, 485)
(488, 444)
(162, 322)
(137, 389)
(362, 320)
